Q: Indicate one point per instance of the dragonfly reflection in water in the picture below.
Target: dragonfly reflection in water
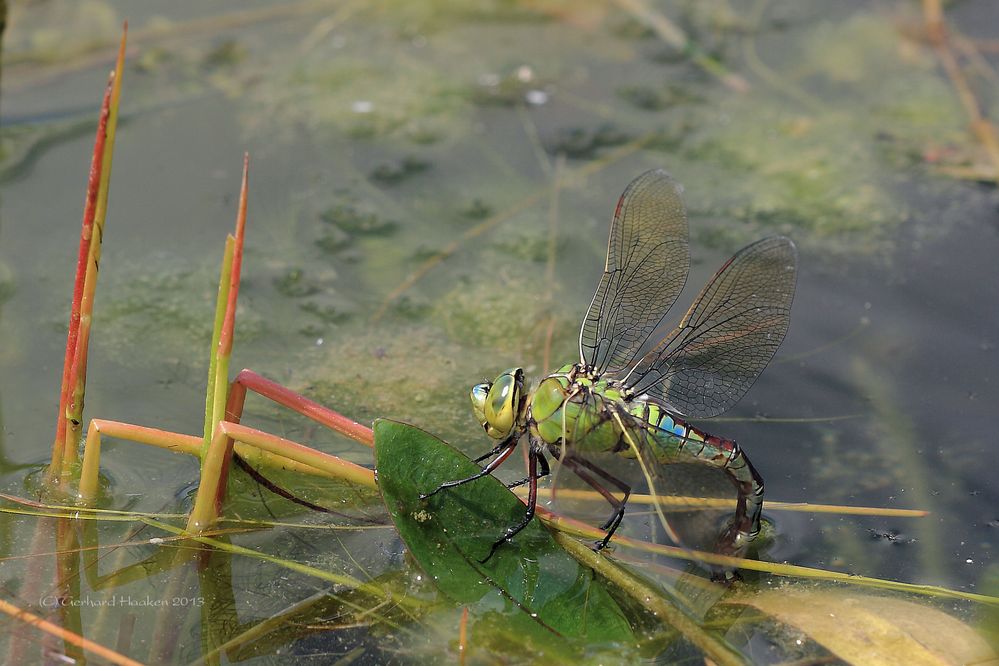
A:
(614, 400)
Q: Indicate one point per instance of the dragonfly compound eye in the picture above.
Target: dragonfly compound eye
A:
(502, 403)
(478, 395)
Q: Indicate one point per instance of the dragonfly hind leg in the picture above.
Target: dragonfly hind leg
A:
(582, 469)
(543, 470)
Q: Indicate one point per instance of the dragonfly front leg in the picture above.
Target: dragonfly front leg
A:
(533, 456)
(504, 450)
(496, 450)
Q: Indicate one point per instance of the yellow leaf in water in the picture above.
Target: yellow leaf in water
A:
(870, 630)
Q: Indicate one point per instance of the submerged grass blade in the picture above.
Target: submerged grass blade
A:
(403, 600)
(579, 529)
(652, 600)
(695, 503)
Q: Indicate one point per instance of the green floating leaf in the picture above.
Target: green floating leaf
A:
(448, 534)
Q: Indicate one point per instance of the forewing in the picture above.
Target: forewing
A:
(646, 268)
(727, 337)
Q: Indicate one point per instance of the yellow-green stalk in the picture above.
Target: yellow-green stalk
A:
(220, 308)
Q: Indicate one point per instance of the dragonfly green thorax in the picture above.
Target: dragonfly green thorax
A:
(621, 399)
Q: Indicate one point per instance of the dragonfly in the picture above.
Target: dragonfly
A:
(620, 399)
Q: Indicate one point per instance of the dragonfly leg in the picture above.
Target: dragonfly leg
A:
(543, 471)
(582, 469)
(505, 449)
(532, 501)
(489, 454)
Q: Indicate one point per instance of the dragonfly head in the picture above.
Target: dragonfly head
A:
(496, 404)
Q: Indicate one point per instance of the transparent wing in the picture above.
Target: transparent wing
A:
(727, 337)
(646, 268)
(687, 501)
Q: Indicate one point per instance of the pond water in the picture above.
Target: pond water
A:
(430, 191)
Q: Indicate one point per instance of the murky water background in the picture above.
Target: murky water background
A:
(380, 135)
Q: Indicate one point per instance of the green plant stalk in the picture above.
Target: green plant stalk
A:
(652, 600)
(204, 512)
(226, 333)
(223, 351)
(222, 455)
(220, 308)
